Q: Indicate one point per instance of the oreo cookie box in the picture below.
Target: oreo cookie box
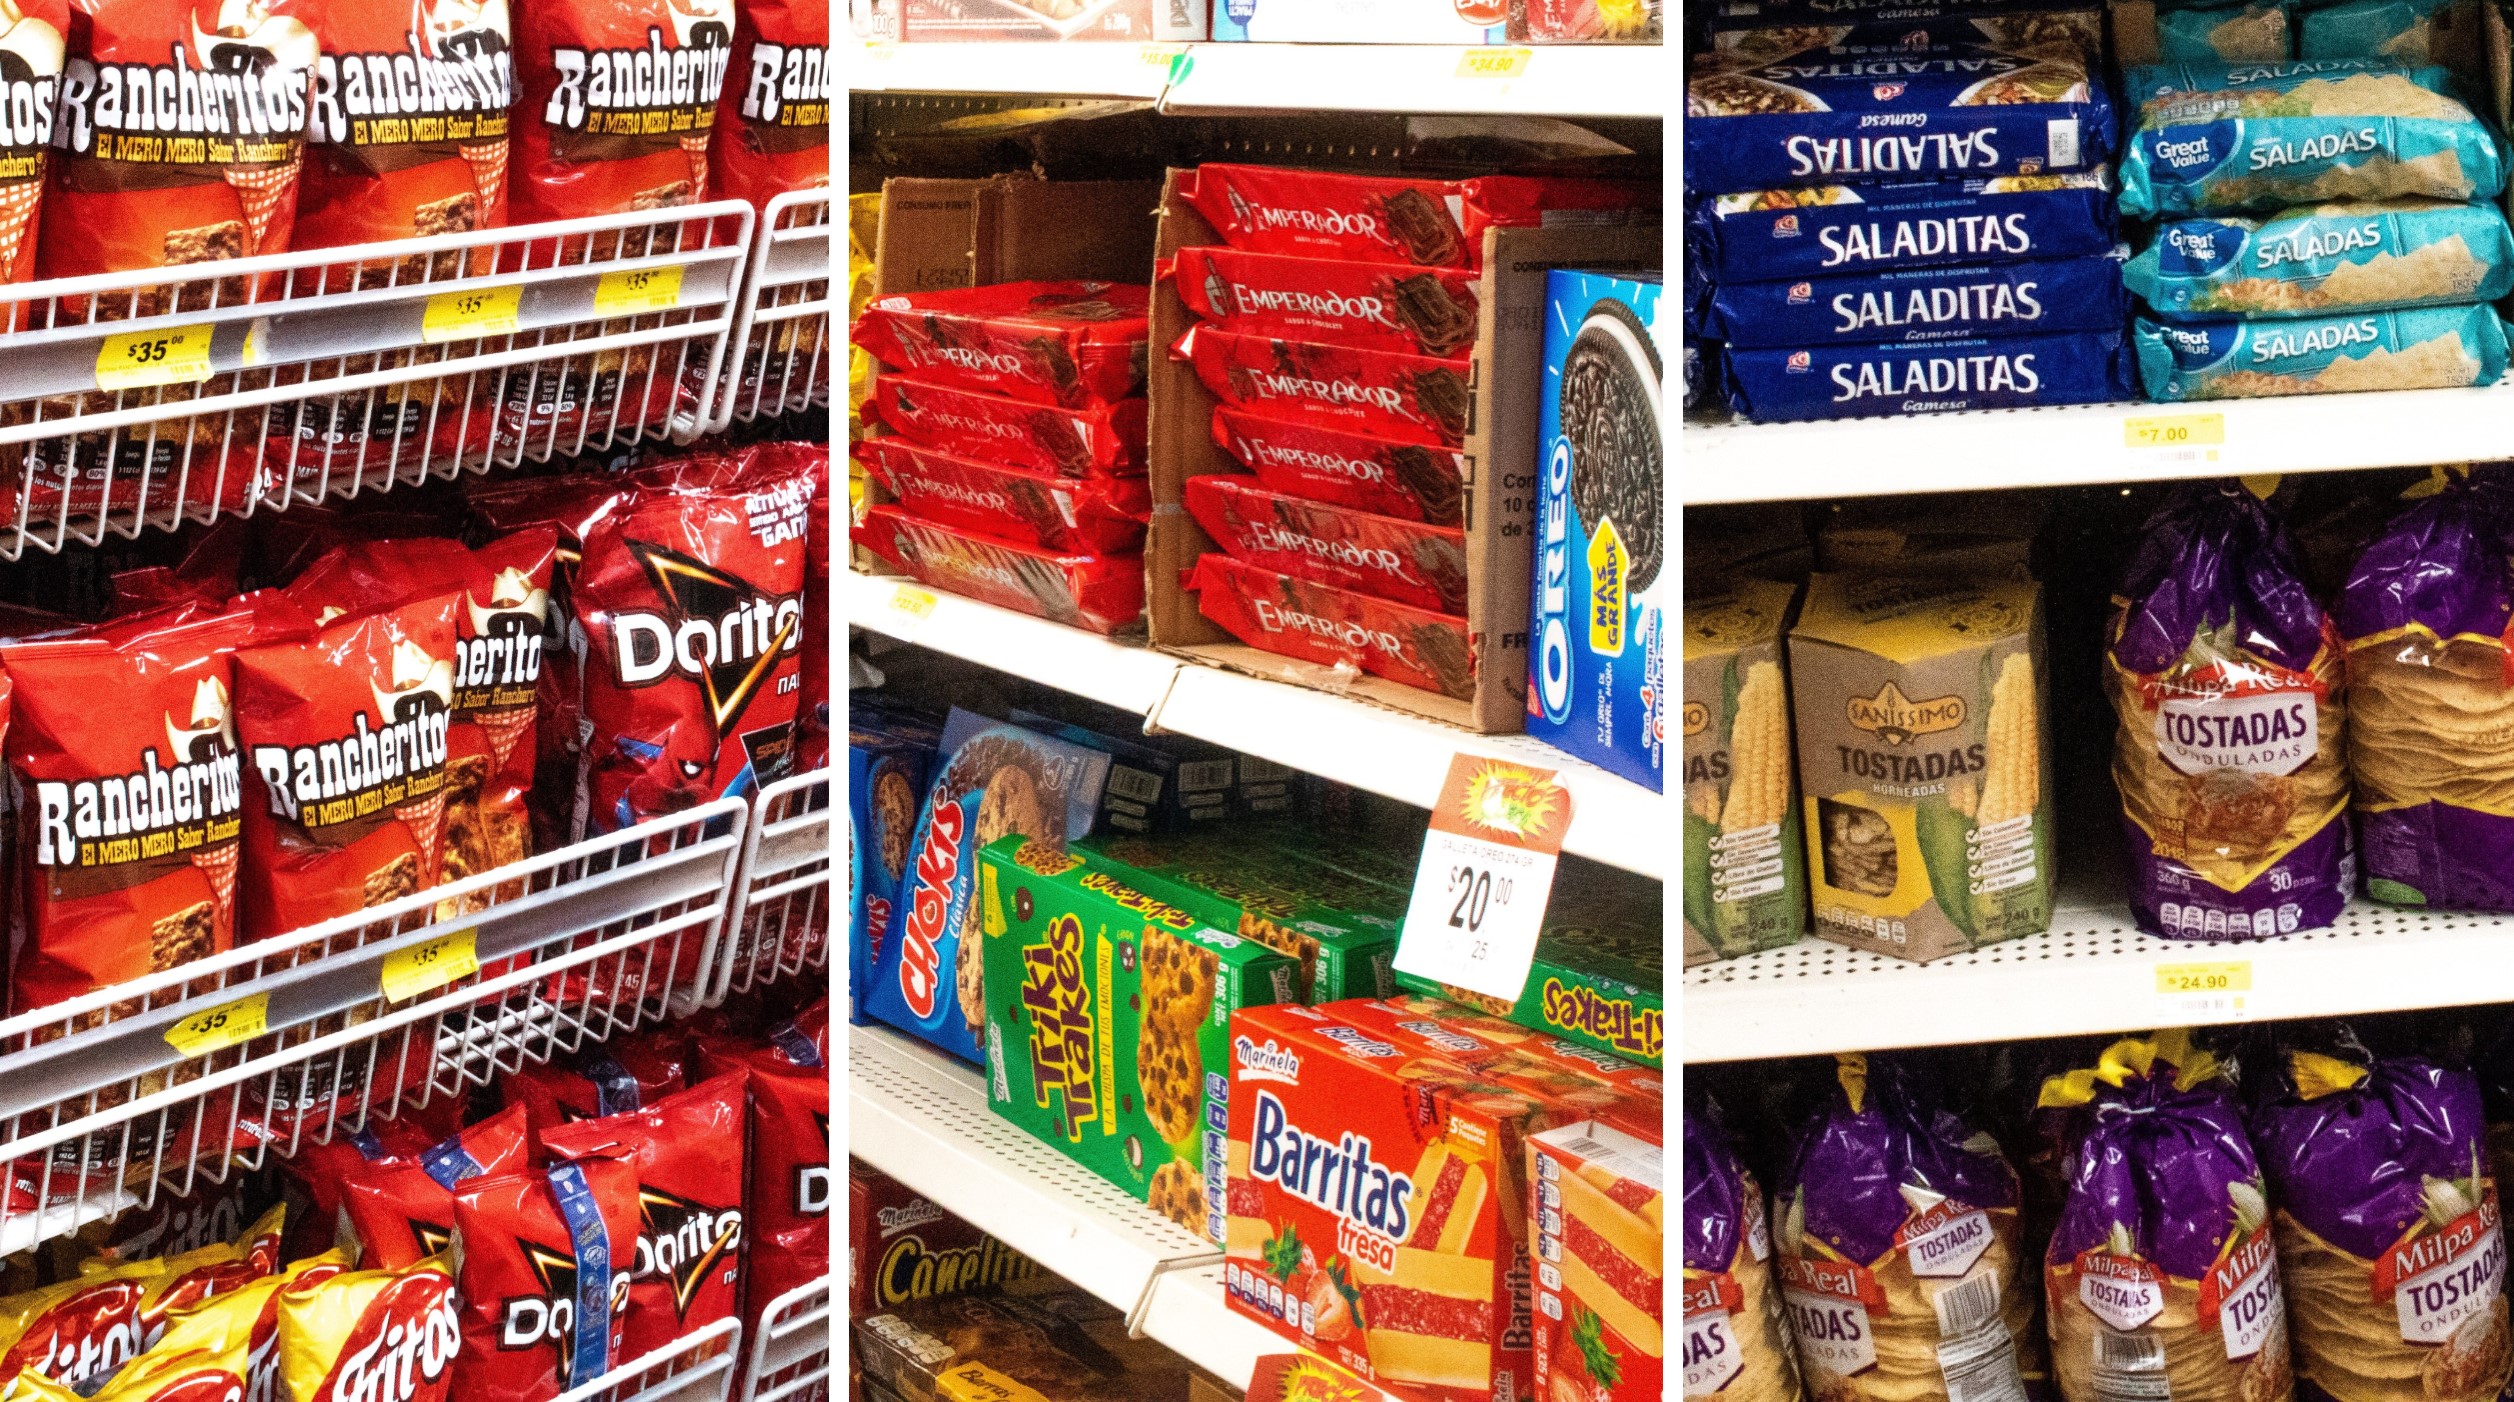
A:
(1767, 235)
(1596, 657)
(993, 781)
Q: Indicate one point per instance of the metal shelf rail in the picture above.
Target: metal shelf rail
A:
(780, 915)
(698, 1368)
(790, 1357)
(782, 347)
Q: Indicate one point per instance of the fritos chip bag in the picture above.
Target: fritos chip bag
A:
(2225, 674)
(371, 1336)
(128, 813)
(34, 38)
(618, 103)
(347, 724)
(542, 1251)
(398, 1212)
(788, 1197)
(206, 1272)
(79, 1333)
(245, 1318)
(772, 128)
(408, 137)
(180, 134)
(191, 1375)
(687, 1149)
(2161, 1274)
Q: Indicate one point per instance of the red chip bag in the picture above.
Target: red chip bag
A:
(619, 98)
(1070, 442)
(206, 1272)
(398, 1212)
(1074, 344)
(318, 1175)
(150, 83)
(80, 1331)
(1413, 398)
(604, 1081)
(408, 136)
(1301, 459)
(819, 626)
(1383, 556)
(110, 889)
(34, 37)
(371, 1336)
(1083, 515)
(346, 726)
(1428, 223)
(1377, 306)
(1100, 592)
(689, 1244)
(691, 603)
(772, 128)
(1320, 623)
(788, 1220)
(543, 1253)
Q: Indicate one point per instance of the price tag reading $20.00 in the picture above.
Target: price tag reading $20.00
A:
(1487, 871)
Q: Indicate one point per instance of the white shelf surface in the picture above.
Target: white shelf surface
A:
(922, 1118)
(1374, 747)
(2093, 443)
(2093, 972)
(1568, 80)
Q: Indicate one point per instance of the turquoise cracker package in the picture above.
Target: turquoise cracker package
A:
(2319, 260)
(2431, 348)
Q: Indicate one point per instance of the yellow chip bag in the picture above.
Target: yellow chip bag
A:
(248, 1318)
(194, 1375)
(370, 1336)
(79, 1332)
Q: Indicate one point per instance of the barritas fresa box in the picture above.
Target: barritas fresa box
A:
(1599, 1223)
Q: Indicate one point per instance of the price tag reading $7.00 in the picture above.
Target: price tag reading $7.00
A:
(1488, 869)
(424, 968)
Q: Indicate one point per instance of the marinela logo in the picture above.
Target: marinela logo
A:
(715, 629)
(1898, 720)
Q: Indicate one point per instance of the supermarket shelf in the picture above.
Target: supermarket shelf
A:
(781, 347)
(1569, 80)
(2093, 972)
(1386, 751)
(698, 1368)
(790, 1355)
(780, 915)
(923, 1119)
(2093, 444)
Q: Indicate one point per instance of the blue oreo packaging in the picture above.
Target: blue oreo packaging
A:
(1596, 657)
(2326, 260)
(993, 780)
(2427, 348)
(1920, 304)
(1774, 234)
(1853, 114)
(1844, 382)
(889, 759)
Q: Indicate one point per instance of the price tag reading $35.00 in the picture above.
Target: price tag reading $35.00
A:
(1488, 868)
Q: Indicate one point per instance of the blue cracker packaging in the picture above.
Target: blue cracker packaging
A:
(2400, 30)
(2324, 260)
(888, 764)
(1597, 684)
(992, 780)
(1775, 234)
(2247, 31)
(1845, 382)
(2427, 348)
(1758, 32)
(2215, 138)
(1853, 114)
(1920, 304)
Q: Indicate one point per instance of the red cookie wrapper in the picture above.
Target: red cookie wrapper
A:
(1320, 623)
(1107, 441)
(1068, 343)
(1404, 561)
(1100, 592)
(1408, 480)
(1412, 398)
(1378, 306)
(1090, 515)
(1427, 223)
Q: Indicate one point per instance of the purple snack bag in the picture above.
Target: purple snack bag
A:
(2161, 1280)
(2426, 613)
(1901, 1247)
(2225, 676)
(1737, 1344)
(2387, 1228)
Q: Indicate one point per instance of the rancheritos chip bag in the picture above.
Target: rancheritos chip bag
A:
(2225, 675)
(1737, 1343)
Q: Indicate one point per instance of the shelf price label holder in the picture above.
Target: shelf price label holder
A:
(428, 966)
(226, 1025)
(2213, 990)
(1487, 871)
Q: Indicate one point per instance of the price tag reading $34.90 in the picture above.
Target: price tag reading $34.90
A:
(1488, 868)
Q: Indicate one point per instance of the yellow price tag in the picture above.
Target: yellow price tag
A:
(222, 1026)
(2174, 431)
(912, 601)
(174, 355)
(1493, 63)
(424, 968)
(640, 290)
(1162, 55)
(464, 316)
(2220, 989)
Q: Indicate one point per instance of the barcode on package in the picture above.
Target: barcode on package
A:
(1968, 1304)
(1643, 1163)
(2064, 141)
(1204, 774)
(2130, 1368)
(1142, 786)
(1981, 1368)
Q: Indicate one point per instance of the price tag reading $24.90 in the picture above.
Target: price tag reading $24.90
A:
(1488, 868)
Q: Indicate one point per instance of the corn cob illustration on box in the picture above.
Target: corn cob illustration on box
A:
(1926, 773)
(1745, 877)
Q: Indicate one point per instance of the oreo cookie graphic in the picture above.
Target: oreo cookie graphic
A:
(1610, 416)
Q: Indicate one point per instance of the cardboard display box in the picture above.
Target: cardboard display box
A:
(1012, 228)
(1500, 449)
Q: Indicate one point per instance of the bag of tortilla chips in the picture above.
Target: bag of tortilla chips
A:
(1737, 1344)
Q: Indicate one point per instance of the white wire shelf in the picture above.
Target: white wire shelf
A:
(923, 1119)
(1565, 80)
(162, 1083)
(781, 347)
(780, 915)
(2095, 443)
(789, 1359)
(2093, 972)
(698, 1368)
(1374, 747)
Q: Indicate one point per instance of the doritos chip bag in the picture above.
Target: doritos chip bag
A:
(619, 99)
(34, 36)
(772, 128)
(604, 1081)
(398, 1212)
(687, 1149)
(128, 813)
(178, 139)
(371, 1336)
(546, 1261)
(319, 1172)
(346, 724)
(789, 1193)
(246, 1318)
